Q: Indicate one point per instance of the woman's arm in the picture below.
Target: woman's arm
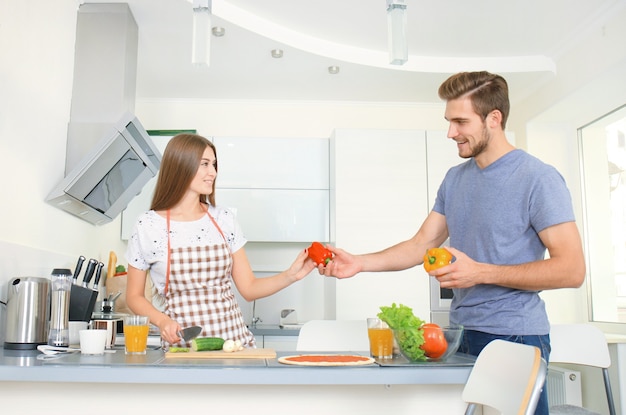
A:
(252, 288)
(139, 304)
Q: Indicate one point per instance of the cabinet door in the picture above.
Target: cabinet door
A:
(272, 163)
(442, 154)
(279, 215)
(379, 197)
(277, 186)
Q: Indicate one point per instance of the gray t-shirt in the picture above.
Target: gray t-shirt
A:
(494, 216)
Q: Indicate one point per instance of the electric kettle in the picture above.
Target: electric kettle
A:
(27, 312)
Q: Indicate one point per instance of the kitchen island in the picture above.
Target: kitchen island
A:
(72, 382)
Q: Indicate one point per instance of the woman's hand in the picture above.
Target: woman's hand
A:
(301, 266)
(169, 330)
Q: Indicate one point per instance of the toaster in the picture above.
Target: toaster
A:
(288, 317)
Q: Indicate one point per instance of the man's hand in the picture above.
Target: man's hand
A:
(343, 264)
(463, 272)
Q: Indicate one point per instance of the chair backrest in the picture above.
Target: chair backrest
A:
(508, 377)
(583, 344)
(333, 336)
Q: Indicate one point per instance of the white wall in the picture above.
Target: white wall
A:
(36, 69)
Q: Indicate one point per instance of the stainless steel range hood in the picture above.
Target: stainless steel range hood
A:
(109, 156)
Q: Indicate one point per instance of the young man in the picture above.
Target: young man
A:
(502, 209)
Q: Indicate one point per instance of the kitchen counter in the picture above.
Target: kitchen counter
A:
(153, 384)
(19, 365)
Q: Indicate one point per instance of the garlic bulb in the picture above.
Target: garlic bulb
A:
(229, 346)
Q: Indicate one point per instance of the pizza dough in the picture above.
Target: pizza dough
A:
(326, 360)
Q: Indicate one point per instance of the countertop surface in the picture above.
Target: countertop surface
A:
(153, 367)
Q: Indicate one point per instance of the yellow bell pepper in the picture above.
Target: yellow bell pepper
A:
(436, 258)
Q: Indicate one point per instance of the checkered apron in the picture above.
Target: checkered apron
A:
(200, 293)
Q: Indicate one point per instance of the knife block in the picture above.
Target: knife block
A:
(82, 302)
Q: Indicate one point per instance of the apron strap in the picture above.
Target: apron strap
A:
(218, 228)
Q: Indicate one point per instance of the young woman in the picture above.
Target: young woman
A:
(193, 251)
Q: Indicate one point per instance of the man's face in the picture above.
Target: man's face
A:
(467, 128)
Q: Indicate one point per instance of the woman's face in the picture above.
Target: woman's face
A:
(202, 183)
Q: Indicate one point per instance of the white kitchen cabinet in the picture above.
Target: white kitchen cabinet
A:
(279, 215)
(379, 197)
(272, 163)
(442, 154)
(278, 187)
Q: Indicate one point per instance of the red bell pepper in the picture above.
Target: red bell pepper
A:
(318, 253)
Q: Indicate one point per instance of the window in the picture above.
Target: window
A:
(603, 161)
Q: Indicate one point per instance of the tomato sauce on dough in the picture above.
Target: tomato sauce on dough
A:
(329, 358)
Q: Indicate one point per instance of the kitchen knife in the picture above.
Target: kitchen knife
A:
(78, 268)
(91, 267)
(190, 333)
(96, 280)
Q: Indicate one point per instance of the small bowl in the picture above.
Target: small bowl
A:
(453, 335)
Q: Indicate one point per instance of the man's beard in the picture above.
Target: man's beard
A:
(480, 146)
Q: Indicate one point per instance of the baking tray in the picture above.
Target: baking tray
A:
(458, 359)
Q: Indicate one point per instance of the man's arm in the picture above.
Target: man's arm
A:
(403, 255)
(565, 267)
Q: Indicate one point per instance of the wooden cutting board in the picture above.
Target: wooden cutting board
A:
(219, 354)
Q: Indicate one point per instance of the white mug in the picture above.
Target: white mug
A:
(92, 341)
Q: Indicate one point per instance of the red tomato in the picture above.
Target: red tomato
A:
(435, 344)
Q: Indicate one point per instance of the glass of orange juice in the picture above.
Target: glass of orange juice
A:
(136, 330)
(381, 338)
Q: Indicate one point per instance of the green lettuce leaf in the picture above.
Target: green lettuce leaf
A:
(407, 329)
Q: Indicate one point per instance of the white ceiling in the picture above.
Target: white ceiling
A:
(519, 39)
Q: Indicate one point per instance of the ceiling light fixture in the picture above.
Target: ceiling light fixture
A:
(218, 31)
(396, 32)
(333, 70)
(277, 53)
(201, 43)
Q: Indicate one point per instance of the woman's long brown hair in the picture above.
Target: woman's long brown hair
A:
(180, 163)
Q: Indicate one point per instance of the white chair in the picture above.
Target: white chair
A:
(581, 344)
(508, 377)
(333, 336)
